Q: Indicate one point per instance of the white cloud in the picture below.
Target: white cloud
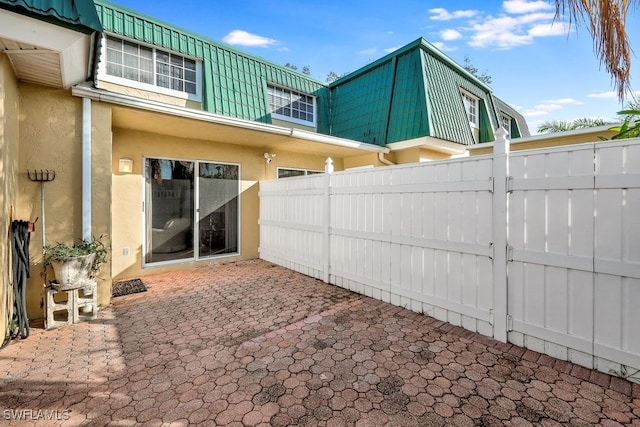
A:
(549, 29)
(505, 32)
(441, 14)
(603, 95)
(243, 38)
(368, 52)
(443, 47)
(523, 6)
(519, 23)
(500, 32)
(534, 113)
(392, 49)
(550, 105)
(450, 34)
(612, 94)
(563, 101)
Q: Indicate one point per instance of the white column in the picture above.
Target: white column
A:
(499, 230)
(86, 169)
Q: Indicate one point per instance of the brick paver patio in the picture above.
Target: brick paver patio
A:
(251, 343)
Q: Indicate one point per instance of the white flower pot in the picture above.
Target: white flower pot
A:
(74, 270)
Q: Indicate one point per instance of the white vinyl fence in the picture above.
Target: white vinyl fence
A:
(540, 247)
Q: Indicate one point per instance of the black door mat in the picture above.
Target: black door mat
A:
(127, 287)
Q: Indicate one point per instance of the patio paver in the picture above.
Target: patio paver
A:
(253, 344)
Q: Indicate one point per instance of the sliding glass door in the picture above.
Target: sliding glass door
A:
(217, 209)
(182, 194)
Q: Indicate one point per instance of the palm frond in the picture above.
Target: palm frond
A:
(606, 20)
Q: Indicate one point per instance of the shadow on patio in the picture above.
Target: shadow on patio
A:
(251, 343)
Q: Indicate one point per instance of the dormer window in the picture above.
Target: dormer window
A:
(471, 107)
(506, 122)
(292, 106)
(144, 67)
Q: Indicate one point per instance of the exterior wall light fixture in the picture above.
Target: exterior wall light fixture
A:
(269, 157)
(125, 165)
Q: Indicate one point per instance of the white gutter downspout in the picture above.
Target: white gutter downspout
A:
(384, 160)
(86, 169)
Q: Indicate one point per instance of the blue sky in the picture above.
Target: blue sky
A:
(541, 66)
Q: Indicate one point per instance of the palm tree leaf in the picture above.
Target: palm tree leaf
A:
(606, 20)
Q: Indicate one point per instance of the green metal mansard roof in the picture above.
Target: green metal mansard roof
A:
(411, 93)
(519, 127)
(79, 15)
(235, 83)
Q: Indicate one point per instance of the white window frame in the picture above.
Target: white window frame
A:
(306, 172)
(506, 121)
(103, 76)
(469, 101)
(196, 201)
(293, 119)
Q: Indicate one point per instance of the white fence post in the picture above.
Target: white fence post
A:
(326, 249)
(328, 165)
(499, 230)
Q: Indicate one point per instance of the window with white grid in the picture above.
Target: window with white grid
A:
(471, 106)
(292, 106)
(150, 66)
(506, 122)
(175, 72)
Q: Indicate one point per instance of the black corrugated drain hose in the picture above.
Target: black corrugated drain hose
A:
(20, 246)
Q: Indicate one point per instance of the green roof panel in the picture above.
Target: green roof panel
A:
(519, 127)
(233, 80)
(78, 15)
(408, 118)
(410, 93)
(444, 84)
(425, 99)
(360, 107)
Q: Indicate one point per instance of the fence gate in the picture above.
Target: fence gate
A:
(574, 253)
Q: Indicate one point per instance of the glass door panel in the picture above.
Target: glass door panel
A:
(217, 209)
(169, 210)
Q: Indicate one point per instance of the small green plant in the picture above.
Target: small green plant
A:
(63, 252)
(12, 328)
(624, 373)
(630, 128)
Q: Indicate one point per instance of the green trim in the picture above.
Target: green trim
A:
(486, 128)
(514, 131)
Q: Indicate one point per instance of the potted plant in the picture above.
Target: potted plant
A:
(76, 263)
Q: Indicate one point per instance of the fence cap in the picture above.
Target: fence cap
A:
(328, 165)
